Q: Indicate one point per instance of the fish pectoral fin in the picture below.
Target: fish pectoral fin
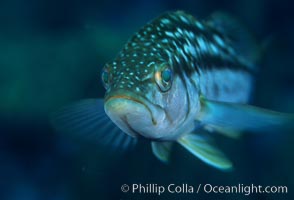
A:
(240, 117)
(200, 148)
(162, 150)
(87, 119)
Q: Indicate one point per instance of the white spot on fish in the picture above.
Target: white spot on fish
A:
(177, 59)
(180, 31)
(186, 58)
(219, 41)
(175, 44)
(150, 64)
(202, 44)
(189, 49)
(169, 54)
(147, 44)
(199, 25)
(184, 19)
(213, 49)
(164, 40)
(191, 35)
(165, 21)
(170, 34)
(231, 50)
(177, 34)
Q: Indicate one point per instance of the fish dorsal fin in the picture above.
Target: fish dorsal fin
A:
(162, 150)
(200, 147)
(239, 37)
(240, 117)
(87, 119)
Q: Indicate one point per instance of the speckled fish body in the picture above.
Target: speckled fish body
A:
(196, 51)
(176, 78)
(202, 59)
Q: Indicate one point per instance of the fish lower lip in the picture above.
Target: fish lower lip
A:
(135, 133)
(135, 100)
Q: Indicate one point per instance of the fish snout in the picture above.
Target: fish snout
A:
(133, 116)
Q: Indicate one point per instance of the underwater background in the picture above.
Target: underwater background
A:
(51, 54)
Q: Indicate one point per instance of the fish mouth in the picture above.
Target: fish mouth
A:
(131, 112)
(134, 100)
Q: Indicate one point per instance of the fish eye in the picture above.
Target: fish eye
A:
(105, 76)
(163, 78)
(166, 75)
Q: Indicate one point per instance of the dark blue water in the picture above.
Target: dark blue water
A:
(51, 54)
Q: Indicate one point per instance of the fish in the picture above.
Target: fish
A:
(176, 81)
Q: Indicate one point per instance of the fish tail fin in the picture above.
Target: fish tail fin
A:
(238, 35)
